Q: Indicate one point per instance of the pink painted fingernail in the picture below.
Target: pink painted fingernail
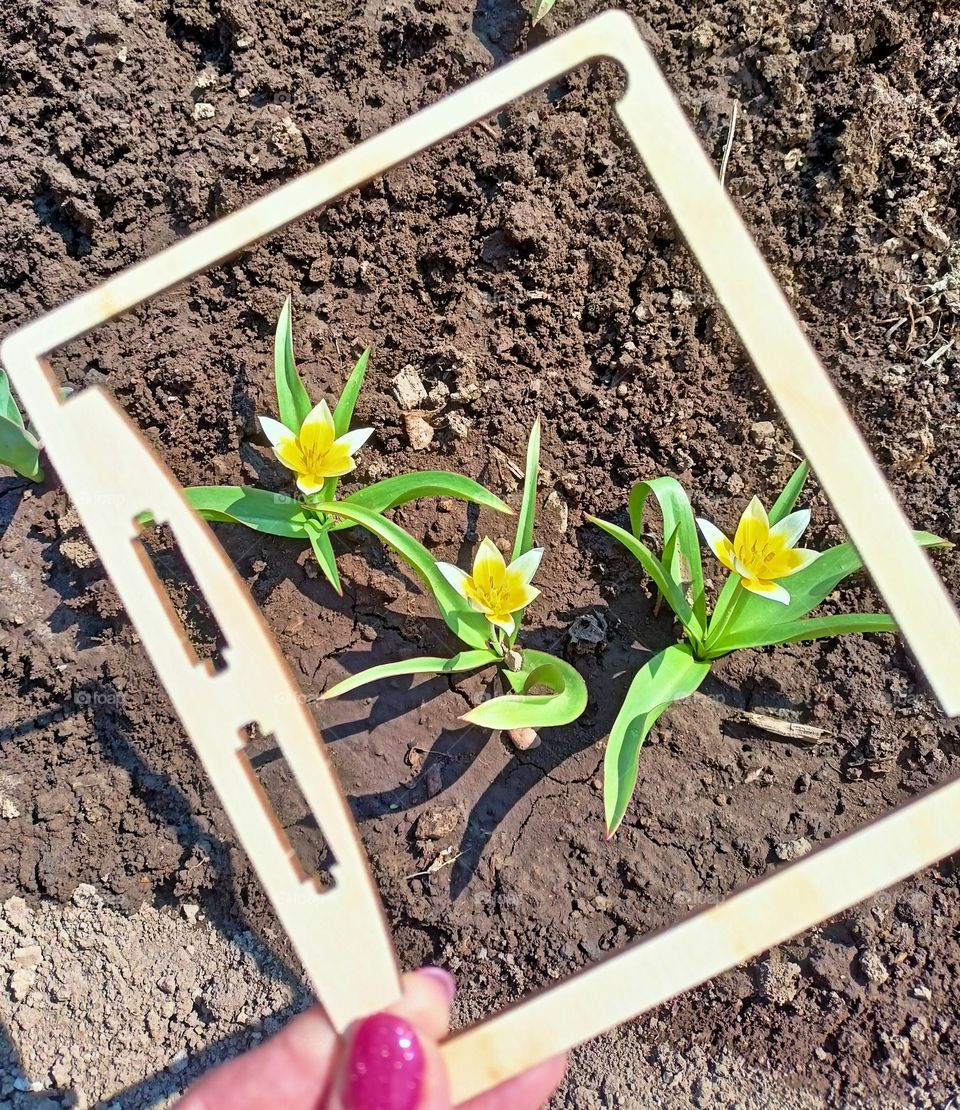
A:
(443, 978)
(386, 1066)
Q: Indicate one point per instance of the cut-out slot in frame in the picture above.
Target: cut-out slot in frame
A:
(685, 954)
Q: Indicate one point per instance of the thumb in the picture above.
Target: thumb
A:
(390, 1061)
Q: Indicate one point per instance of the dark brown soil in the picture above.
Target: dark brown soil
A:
(530, 256)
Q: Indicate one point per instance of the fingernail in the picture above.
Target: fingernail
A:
(385, 1069)
(441, 976)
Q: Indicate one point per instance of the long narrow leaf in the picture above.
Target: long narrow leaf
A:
(425, 664)
(669, 676)
(565, 702)
(8, 406)
(791, 491)
(392, 492)
(325, 555)
(528, 505)
(343, 413)
(672, 593)
(292, 400)
(19, 450)
(813, 628)
(273, 513)
(465, 623)
(807, 589)
(677, 514)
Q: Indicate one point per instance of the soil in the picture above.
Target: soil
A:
(524, 268)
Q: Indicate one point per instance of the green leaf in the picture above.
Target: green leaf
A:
(465, 623)
(781, 507)
(540, 9)
(672, 593)
(528, 505)
(677, 516)
(8, 406)
(293, 403)
(815, 628)
(426, 664)
(343, 413)
(807, 589)
(273, 513)
(565, 702)
(19, 450)
(791, 491)
(669, 676)
(323, 550)
(392, 492)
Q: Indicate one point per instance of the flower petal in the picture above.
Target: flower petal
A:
(502, 620)
(792, 527)
(799, 558)
(310, 483)
(454, 575)
(718, 544)
(489, 568)
(319, 415)
(526, 565)
(753, 532)
(771, 590)
(275, 431)
(354, 440)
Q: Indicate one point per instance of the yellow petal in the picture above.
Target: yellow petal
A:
(718, 543)
(289, 453)
(489, 568)
(752, 532)
(771, 590)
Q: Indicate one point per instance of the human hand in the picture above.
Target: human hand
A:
(389, 1061)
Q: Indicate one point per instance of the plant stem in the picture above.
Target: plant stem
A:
(733, 611)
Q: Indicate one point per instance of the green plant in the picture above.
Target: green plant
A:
(771, 588)
(19, 447)
(539, 9)
(319, 448)
(483, 609)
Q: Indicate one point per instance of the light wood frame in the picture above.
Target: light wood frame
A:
(339, 933)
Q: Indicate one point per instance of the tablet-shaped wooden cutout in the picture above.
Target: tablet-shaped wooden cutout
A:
(339, 934)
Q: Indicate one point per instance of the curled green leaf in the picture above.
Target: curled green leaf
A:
(566, 700)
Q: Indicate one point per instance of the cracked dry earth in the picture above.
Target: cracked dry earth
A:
(526, 267)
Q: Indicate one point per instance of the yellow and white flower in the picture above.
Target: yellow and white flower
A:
(493, 588)
(315, 453)
(760, 554)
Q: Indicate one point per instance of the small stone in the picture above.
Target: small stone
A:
(792, 849)
(434, 780)
(556, 506)
(31, 955)
(203, 111)
(409, 389)
(167, 984)
(8, 808)
(761, 432)
(873, 968)
(419, 430)
(459, 424)
(17, 913)
(190, 911)
(922, 991)
(438, 822)
(512, 660)
(21, 983)
(802, 784)
(524, 738)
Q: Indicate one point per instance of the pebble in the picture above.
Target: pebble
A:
(419, 430)
(438, 822)
(524, 738)
(873, 968)
(761, 431)
(408, 389)
(792, 849)
(203, 111)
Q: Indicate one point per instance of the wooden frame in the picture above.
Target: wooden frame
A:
(339, 933)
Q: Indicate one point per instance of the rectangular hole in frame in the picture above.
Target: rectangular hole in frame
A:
(294, 819)
(201, 628)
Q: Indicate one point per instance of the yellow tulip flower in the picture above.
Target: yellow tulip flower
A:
(760, 554)
(315, 453)
(493, 588)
